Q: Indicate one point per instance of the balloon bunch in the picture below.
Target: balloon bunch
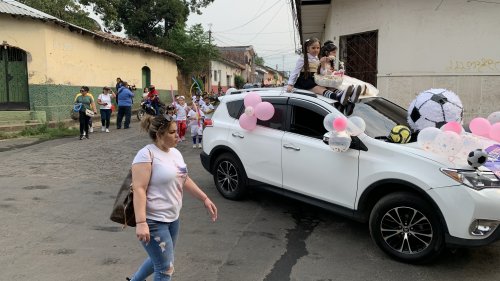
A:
(452, 141)
(341, 129)
(488, 128)
(255, 109)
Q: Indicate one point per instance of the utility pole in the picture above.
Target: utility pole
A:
(209, 77)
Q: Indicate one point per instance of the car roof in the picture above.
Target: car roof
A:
(270, 92)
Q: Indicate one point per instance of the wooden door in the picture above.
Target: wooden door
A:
(13, 79)
(359, 53)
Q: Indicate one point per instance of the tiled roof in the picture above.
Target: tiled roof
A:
(15, 8)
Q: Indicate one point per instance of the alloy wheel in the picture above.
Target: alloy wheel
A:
(227, 176)
(406, 230)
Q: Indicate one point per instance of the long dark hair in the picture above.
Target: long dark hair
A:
(328, 46)
(306, 45)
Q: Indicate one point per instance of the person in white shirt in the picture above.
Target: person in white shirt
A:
(207, 108)
(196, 116)
(302, 77)
(104, 101)
(160, 178)
(182, 110)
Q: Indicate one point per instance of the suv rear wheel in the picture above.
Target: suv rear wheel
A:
(229, 177)
(407, 228)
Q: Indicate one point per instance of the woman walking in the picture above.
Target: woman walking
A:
(87, 102)
(104, 100)
(159, 178)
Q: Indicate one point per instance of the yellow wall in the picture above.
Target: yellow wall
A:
(58, 56)
(27, 35)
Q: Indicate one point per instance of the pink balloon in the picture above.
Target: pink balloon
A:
(453, 126)
(480, 126)
(252, 99)
(495, 132)
(248, 122)
(264, 111)
(339, 124)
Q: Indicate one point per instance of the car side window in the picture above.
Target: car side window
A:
(307, 122)
(276, 122)
(234, 108)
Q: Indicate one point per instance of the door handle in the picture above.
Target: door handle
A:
(237, 135)
(291, 146)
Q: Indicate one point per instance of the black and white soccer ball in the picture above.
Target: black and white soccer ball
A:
(477, 158)
(434, 108)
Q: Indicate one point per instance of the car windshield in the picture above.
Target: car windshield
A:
(380, 116)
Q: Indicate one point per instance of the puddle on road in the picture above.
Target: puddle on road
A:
(295, 247)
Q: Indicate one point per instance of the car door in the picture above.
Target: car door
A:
(260, 149)
(309, 166)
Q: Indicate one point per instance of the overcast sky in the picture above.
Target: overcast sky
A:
(265, 24)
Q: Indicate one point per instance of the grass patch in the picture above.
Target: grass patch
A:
(43, 131)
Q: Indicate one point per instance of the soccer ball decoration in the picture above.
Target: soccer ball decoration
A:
(400, 134)
(434, 108)
(477, 158)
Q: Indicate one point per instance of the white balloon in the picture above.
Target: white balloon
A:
(249, 110)
(328, 121)
(339, 141)
(494, 117)
(425, 138)
(356, 126)
(448, 143)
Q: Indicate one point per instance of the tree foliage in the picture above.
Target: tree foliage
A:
(192, 44)
(146, 20)
(239, 81)
(259, 60)
(67, 10)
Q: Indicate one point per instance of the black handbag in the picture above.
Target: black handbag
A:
(123, 209)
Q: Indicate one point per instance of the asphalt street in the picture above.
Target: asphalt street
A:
(56, 197)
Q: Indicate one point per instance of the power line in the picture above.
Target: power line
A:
(272, 18)
(253, 18)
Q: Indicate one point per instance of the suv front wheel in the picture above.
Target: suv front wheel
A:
(229, 177)
(407, 228)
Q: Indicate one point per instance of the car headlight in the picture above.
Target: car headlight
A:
(474, 179)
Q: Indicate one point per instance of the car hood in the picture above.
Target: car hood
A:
(458, 161)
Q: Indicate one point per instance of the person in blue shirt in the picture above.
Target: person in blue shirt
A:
(124, 100)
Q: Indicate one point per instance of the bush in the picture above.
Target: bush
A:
(239, 81)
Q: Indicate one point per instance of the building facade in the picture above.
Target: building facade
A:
(243, 55)
(404, 47)
(45, 61)
(223, 72)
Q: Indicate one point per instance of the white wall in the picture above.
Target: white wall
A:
(453, 44)
(224, 71)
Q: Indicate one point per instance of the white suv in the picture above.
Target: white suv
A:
(414, 201)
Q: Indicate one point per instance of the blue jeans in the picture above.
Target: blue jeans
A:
(160, 251)
(105, 117)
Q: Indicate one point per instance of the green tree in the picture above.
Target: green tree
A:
(146, 20)
(67, 10)
(239, 81)
(259, 60)
(192, 44)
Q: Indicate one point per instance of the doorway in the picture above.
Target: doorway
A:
(146, 77)
(359, 53)
(14, 92)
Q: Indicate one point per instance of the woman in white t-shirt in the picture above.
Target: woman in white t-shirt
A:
(104, 101)
(159, 178)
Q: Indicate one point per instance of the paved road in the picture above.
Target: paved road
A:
(56, 197)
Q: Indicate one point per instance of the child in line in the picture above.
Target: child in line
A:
(302, 77)
(181, 109)
(196, 117)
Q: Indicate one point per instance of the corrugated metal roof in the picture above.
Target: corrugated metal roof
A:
(18, 9)
(15, 8)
